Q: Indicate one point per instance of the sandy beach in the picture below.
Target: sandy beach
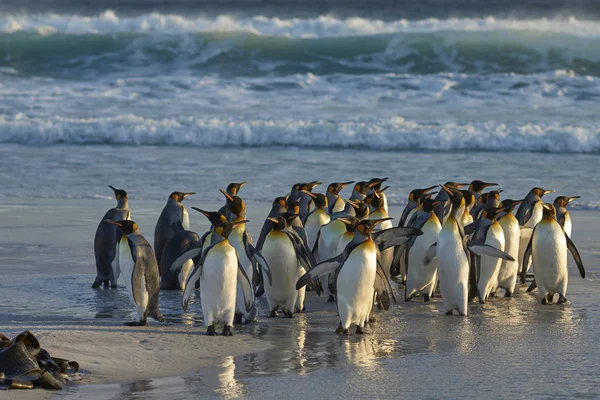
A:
(47, 269)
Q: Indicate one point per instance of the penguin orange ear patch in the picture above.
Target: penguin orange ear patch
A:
(219, 230)
(135, 227)
(357, 188)
(118, 196)
(223, 218)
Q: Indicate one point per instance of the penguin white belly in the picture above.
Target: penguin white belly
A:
(386, 257)
(115, 264)
(280, 255)
(313, 224)
(568, 224)
(420, 278)
(549, 252)
(184, 273)
(185, 219)
(355, 283)
(490, 266)
(467, 218)
(237, 241)
(343, 242)
(339, 205)
(218, 284)
(453, 268)
(328, 248)
(127, 268)
(507, 277)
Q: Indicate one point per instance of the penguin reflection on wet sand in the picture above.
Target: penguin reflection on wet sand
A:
(107, 240)
(548, 248)
(220, 274)
(173, 218)
(140, 271)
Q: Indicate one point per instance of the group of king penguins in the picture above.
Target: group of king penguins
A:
(464, 242)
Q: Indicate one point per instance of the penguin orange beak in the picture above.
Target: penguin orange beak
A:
(274, 220)
(205, 213)
(447, 190)
(545, 192)
(570, 199)
(343, 185)
(227, 196)
(184, 195)
(344, 220)
(239, 222)
(312, 195)
(354, 205)
(429, 188)
(110, 221)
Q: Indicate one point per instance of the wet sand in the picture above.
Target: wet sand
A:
(509, 347)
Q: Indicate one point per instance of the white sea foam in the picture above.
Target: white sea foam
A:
(322, 26)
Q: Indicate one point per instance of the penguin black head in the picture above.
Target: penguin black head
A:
(215, 217)
(376, 182)
(310, 185)
(429, 205)
(234, 203)
(491, 212)
(119, 193)
(508, 204)
(454, 185)
(226, 228)
(234, 188)
(361, 209)
(416, 194)
(541, 192)
(374, 200)
(563, 201)
(477, 186)
(363, 186)
(456, 197)
(280, 201)
(293, 206)
(483, 198)
(179, 196)
(126, 226)
(319, 199)
(469, 197)
(336, 187)
(350, 222)
(549, 211)
(278, 223)
(366, 225)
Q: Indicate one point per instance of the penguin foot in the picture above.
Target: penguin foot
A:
(288, 314)
(508, 294)
(159, 317)
(544, 301)
(462, 314)
(96, 284)
(449, 312)
(359, 330)
(331, 299)
(532, 287)
(227, 331)
(407, 299)
(561, 300)
(346, 332)
(493, 294)
(299, 311)
(426, 298)
(274, 313)
(210, 330)
(237, 319)
(135, 323)
(372, 319)
(113, 285)
(339, 329)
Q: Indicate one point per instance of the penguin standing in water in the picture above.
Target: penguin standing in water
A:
(140, 271)
(421, 279)
(334, 200)
(107, 240)
(488, 232)
(529, 214)
(548, 247)
(232, 189)
(316, 218)
(355, 273)
(220, 274)
(248, 256)
(453, 255)
(507, 277)
(173, 218)
(176, 263)
(562, 214)
(288, 258)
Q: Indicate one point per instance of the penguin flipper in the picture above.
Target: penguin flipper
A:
(137, 275)
(384, 289)
(267, 226)
(405, 213)
(576, 256)
(526, 257)
(487, 250)
(430, 254)
(399, 252)
(396, 236)
(315, 248)
(260, 260)
(323, 268)
(305, 257)
(244, 283)
(472, 227)
(192, 278)
(301, 233)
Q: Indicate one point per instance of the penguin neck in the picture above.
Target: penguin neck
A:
(331, 197)
(134, 234)
(216, 239)
(172, 201)
(359, 238)
(357, 196)
(123, 203)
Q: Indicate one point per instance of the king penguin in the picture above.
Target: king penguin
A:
(140, 270)
(421, 279)
(548, 247)
(375, 202)
(232, 189)
(529, 214)
(316, 218)
(176, 264)
(248, 256)
(278, 207)
(476, 187)
(173, 218)
(376, 186)
(562, 214)
(507, 277)
(443, 209)
(453, 255)
(355, 273)
(220, 274)
(335, 201)
(413, 202)
(288, 258)
(107, 240)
